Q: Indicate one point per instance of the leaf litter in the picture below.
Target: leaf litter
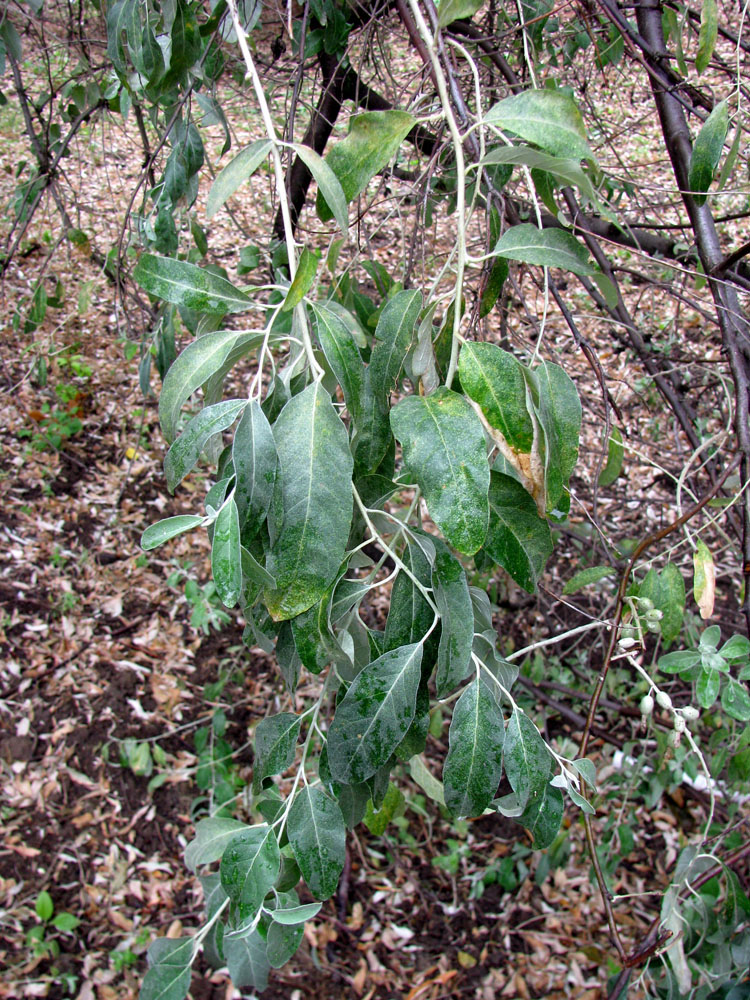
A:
(98, 650)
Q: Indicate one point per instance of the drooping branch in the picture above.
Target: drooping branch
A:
(732, 321)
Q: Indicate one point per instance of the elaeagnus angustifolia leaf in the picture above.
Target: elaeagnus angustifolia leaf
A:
(314, 483)
(375, 714)
(548, 118)
(518, 539)
(317, 834)
(474, 763)
(372, 142)
(444, 449)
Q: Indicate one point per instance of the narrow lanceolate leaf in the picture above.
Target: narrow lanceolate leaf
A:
(255, 461)
(375, 714)
(211, 838)
(226, 558)
(296, 914)
(518, 539)
(249, 867)
(393, 338)
(169, 975)
(444, 448)
(527, 759)
(186, 450)
(342, 354)
(372, 142)
(409, 614)
(452, 10)
(585, 577)
(188, 285)
(495, 281)
(544, 247)
(707, 152)
(303, 280)
(615, 456)
(426, 780)
(562, 168)
(317, 834)
(558, 410)
(252, 570)
(329, 186)
(493, 378)
(671, 602)
(707, 34)
(170, 527)
(235, 173)
(374, 432)
(195, 366)
(474, 763)
(314, 484)
(275, 745)
(542, 816)
(247, 961)
(313, 638)
(453, 600)
(548, 118)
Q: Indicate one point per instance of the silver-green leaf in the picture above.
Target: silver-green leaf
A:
(474, 764)
(342, 354)
(558, 411)
(196, 365)
(374, 715)
(453, 601)
(544, 247)
(372, 142)
(169, 975)
(329, 186)
(543, 815)
(186, 450)
(250, 866)
(317, 834)
(235, 173)
(188, 285)
(444, 448)
(548, 118)
(707, 152)
(314, 484)
(518, 539)
(527, 760)
(247, 961)
(275, 745)
(494, 379)
(226, 558)
(255, 462)
(211, 838)
(161, 532)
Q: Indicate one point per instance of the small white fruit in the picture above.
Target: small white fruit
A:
(647, 705)
(663, 700)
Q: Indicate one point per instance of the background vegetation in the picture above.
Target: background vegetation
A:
(468, 282)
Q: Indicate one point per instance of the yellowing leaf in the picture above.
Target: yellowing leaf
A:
(704, 580)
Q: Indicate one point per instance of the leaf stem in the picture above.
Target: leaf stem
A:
(458, 149)
(278, 168)
(376, 536)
